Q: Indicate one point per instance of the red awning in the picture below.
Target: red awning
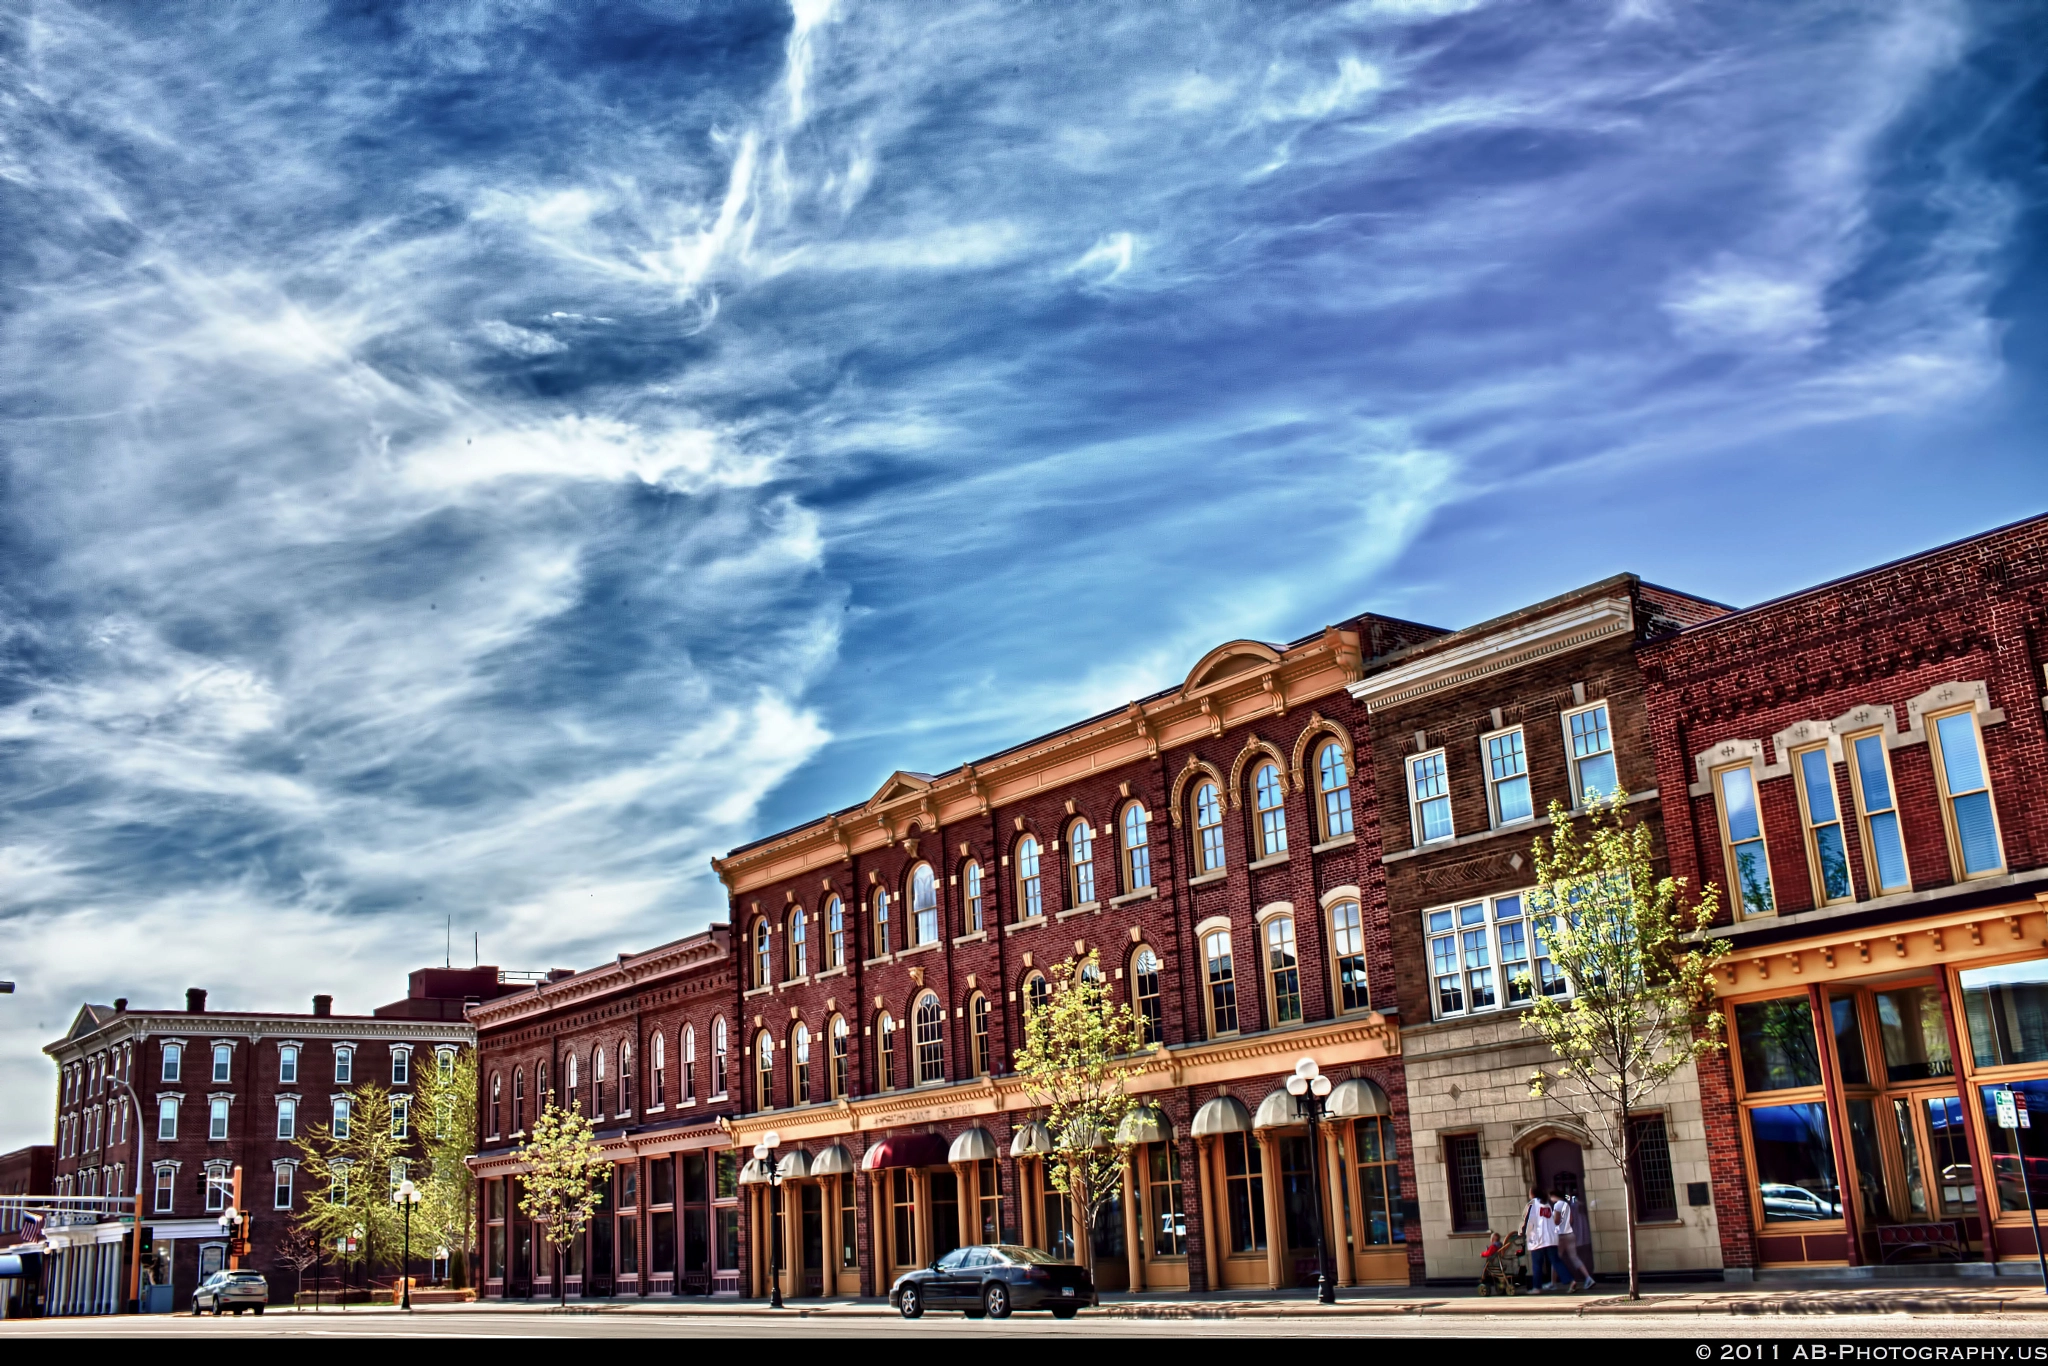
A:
(905, 1150)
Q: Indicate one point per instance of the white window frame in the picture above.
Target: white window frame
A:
(218, 1108)
(1205, 935)
(282, 1179)
(1081, 862)
(1137, 856)
(1573, 759)
(1494, 784)
(338, 1125)
(165, 1186)
(401, 1116)
(223, 1064)
(167, 1118)
(1325, 793)
(1416, 800)
(344, 1065)
(401, 1065)
(173, 1062)
(288, 1064)
(1030, 879)
(970, 877)
(1449, 925)
(1203, 828)
(219, 1177)
(287, 1117)
(1271, 835)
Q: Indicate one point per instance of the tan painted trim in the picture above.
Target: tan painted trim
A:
(1318, 725)
(1348, 892)
(1255, 744)
(1187, 774)
(1921, 945)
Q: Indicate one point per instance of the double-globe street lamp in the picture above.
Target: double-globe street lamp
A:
(407, 1195)
(1310, 1089)
(764, 1153)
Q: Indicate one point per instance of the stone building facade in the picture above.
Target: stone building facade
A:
(1475, 735)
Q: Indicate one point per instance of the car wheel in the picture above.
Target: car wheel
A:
(995, 1301)
(259, 1311)
(216, 1308)
(913, 1303)
(1065, 1311)
(196, 1310)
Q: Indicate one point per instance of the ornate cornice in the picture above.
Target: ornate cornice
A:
(1457, 661)
(623, 974)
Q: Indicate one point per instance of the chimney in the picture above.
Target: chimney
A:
(323, 1006)
(195, 1000)
(120, 1003)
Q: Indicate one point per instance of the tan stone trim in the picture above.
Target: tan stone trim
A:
(1964, 937)
(1319, 724)
(1181, 780)
(1496, 653)
(1255, 744)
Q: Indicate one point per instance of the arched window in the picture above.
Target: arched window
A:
(1030, 894)
(799, 955)
(885, 1049)
(541, 1094)
(799, 1064)
(977, 1019)
(1036, 992)
(689, 1064)
(764, 1069)
(1221, 983)
(1269, 805)
(835, 933)
(660, 1071)
(1145, 994)
(497, 1103)
(1347, 951)
(718, 1057)
(1137, 835)
(518, 1101)
(1333, 781)
(596, 1083)
(882, 945)
(1081, 859)
(763, 955)
(223, 1062)
(924, 905)
(970, 882)
(837, 1032)
(626, 1079)
(575, 1083)
(1283, 971)
(931, 1040)
(1208, 828)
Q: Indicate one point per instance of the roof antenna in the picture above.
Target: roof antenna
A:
(448, 942)
(476, 949)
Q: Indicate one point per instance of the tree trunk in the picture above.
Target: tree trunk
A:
(1628, 1207)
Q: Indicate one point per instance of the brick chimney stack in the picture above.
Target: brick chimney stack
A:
(195, 1000)
(323, 1006)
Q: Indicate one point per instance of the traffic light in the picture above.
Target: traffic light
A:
(147, 1247)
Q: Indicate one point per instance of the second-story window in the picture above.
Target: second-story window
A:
(885, 1049)
(1145, 993)
(835, 933)
(1968, 817)
(1221, 982)
(661, 1069)
(1884, 845)
(764, 1071)
(217, 1118)
(1137, 848)
(764, 954)
(930, 1022)
(1429, 797)
(1507, 778)
(166, 1120)
(977, 1020)
(287, 1118)
(1487, 954)
(799, 1063)
(841, 1062)
(1283, 971)
(1592, 753)
(799, 947)
(924, 905)
(344, 1066)
(1208, 827)
(689, 1050)
(401, 1067)
(1826, 850)
(1081, 857)
(288, 1064)
(718, 1058)
(223, 1062)
(970, 883)
(174, 1055)
(1030, 894)
(1347, 953)
(1742, 833)
(1270, 809)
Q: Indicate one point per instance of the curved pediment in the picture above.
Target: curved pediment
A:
(902, 783)
(1226, 662)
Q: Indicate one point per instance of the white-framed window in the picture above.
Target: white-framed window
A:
(764, 1067)
(1081, 858)
(167, 1120)
(841, 1063)
(718, 1058)
(625, 1078)
(1220, 994)
(1333, 784)
(1592, 752)
(970, 882)
(401, 1116)
(218, 1187)
(401, 1067)
(1742, 840)
(1283, 970)
(885, 1049)
(1347, 954)
(661, 1067)
(281, 1190)
(799, 1063)
(835, 933)
(1507, 777)
(1968, 815)
(799, 945)
(344, 1065)
(498, 1101)
(1827, 853)
(924, 905)
(444, 1061)
(217, 1118)
(1884, 844)
(166, 1190)
(881, 921)
(174, 1055)
(764, 954)
(340, 1125)
(1137, 840)
(1145, 995)
(287, 1117)
(1487, 954)
(930, 1021)
(689, 1064)
(223, 1063)
(288, 1065)
(1429, 797)
(1208, 827)
(1269, 809)
(1030, 891)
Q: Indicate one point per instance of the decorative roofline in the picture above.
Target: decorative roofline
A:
(1511, 647)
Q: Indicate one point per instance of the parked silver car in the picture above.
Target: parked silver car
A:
(233, 1291)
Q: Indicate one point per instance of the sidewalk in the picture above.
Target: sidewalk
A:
(1909, 1298)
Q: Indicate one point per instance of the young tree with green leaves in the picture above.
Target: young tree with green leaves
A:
(1630, 947)
(445, 1112)
(564, 1180)
(1076, 1063)
(351, 1166)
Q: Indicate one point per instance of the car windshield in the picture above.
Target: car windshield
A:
(1031, 1256)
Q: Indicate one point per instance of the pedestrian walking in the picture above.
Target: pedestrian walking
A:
(1539, 1232)
(1566, 1208)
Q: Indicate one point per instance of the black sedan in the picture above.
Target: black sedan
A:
(993, 1279)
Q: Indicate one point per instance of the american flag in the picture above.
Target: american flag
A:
(31, 1228)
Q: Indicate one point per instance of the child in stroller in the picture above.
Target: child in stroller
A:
(1502, 1274)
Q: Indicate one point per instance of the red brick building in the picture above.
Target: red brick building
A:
(158, 1104)
(647, 1046)
(25, 1171)
(1218, 847)
(1863, 764)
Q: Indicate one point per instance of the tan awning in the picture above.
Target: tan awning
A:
(1223, 1115)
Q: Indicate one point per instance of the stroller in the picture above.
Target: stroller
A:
(1502, 1274)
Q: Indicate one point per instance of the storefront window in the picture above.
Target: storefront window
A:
(1863, 1141)
(1169, 1223)
(1915, 1039)
(1795, 1164)
(1244, 1178)
(1379, 1181)
(728, 1239)
(2007, 1011)
(2010, 1146)
(1849, 1041)
(1776, 1038)
(1954, 1173)
(728, 1173)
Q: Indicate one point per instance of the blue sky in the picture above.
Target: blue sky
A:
(479, 460)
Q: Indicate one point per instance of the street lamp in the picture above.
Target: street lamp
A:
(230, 1222)
(1310, 1088)
(407, 1195)
(765, 1152)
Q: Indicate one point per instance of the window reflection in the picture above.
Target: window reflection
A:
(1915, 1039)
(1795, 1163)
(2006, 1008)
(2013, 1149)
(1777, 1044)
